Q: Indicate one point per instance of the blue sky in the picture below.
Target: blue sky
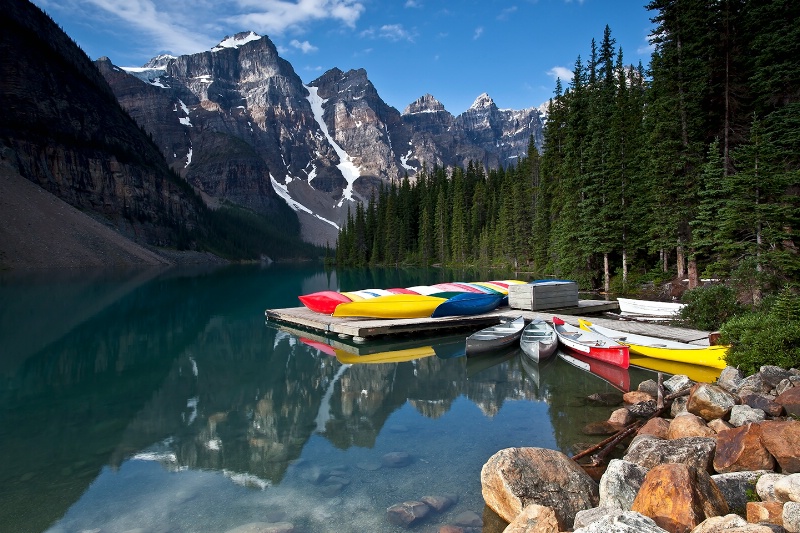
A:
(512, 50)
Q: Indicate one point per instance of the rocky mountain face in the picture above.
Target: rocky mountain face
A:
(63, 129)
(239, 124)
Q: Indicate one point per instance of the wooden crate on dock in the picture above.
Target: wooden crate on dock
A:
(543, 295)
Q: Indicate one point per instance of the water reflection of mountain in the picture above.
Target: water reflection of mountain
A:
(66, 405)
(110, 373)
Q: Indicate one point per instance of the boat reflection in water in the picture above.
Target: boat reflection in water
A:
(614, 375)
(705, 374)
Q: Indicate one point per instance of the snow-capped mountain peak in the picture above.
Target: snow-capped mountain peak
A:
(483, 101)
(160, 61)
(237, 40)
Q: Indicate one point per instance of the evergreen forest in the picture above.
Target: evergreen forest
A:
(687, 168)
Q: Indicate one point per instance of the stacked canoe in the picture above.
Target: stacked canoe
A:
(422, 301)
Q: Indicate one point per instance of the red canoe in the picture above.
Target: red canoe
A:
(591, 344)
(323, 301)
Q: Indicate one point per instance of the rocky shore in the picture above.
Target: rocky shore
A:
(702, 458)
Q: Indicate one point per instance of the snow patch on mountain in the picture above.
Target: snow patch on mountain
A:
(283, 191)
(148, 74)
(404, 161)
(236, 41)
(349, 170)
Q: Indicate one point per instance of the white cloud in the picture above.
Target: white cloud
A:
(174, 28)
(279, 16)
(504, 14)
(478, 33)
(646, 50)
(413, 3)
(305, 46)
(560, 72)
(145, 15)
(391, 32)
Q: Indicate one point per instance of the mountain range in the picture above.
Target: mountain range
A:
(152, 152)
(240, 126)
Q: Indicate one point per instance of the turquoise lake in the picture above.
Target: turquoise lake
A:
(157, 401)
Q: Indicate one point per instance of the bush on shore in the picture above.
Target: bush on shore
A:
(769, 335)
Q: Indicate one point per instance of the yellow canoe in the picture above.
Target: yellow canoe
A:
(391, 306)
(393, 356)
(711, 356)
(704, 374)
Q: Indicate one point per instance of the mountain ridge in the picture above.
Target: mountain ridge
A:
(246, 94)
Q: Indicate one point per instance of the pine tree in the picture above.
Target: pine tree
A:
(706, 229)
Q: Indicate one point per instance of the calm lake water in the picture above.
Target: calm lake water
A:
(160, 401)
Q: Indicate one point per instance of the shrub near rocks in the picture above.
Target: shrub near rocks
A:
(679, 475)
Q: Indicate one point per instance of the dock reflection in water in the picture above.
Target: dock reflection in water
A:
(175, 408)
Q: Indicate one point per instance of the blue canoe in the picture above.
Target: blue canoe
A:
(468, 303)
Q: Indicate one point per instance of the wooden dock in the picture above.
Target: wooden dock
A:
(362, 330)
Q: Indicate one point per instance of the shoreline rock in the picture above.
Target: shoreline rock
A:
(727, 459)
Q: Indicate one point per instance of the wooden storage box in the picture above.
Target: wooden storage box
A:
(543, 295)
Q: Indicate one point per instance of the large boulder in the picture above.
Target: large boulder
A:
(710, 401)
(741, 449)
(765, 486)
(689, 425)
(780, 437)
(514, 478)
(678, 497)
(620, 484)
(649, 451)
